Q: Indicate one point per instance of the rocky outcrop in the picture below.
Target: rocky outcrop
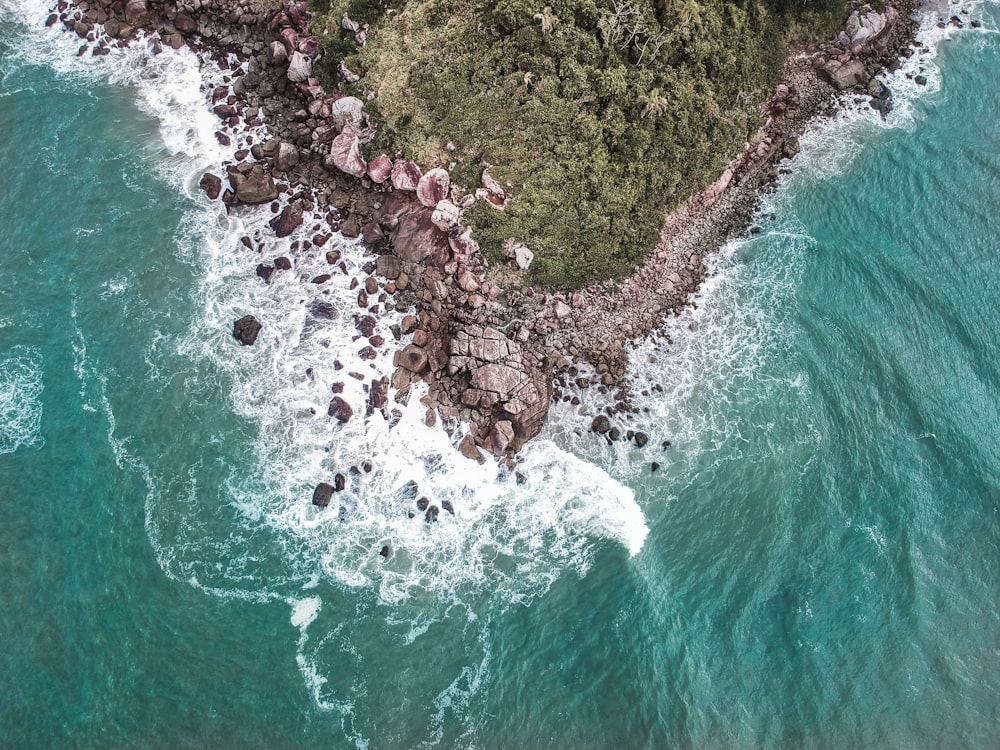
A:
(246, 330)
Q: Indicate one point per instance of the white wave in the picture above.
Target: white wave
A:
(830, 146)
(21, 387)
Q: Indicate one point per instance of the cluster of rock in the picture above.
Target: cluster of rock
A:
(489, 360)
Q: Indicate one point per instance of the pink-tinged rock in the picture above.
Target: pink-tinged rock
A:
(497, 378)
(136, 12)
(433, 187)
(256, 189)
(405, 175)
(277, 53)
(286, 156)
(446, 215)
(492, 185)
(500, 438)
(461, 242)
(468, 281)
(346, 111)
(523, 257)
(299, 15)
(468, 448)
(308, 45)
(299, 68)
(562, 310)
(578, 299)
(346, 73)
(346, 153)
(379, 169)
(290, 39)
(413, 358)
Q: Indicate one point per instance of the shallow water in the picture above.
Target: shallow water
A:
(814, 562)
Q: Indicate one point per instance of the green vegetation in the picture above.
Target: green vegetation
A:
(600, 114)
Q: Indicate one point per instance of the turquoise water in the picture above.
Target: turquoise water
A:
(814, 564)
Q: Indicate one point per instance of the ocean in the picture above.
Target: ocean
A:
(815, 561)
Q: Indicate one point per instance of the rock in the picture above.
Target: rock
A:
(562, 310)
(282, 263)
(446, 505)
(211, 184)
(417, 240)
(277, 54)
(408, 324)
(422, 503)
(601, 424)
(339, 483)
(289, 220)
(340, 410)
(286, 156)
(641, 438)
(322, 494)
(388, 266)
(413, 358)
(346, 153)
(372, 233)
(461, 242)
(432, 188)
(467, 281)
(468, 448)
(246, 329)
(347, 110)
(500, 438)
(445, 215)
(849, 74)
(862, 27)
(523, 257)
(136, 12)
(654, 467)
(405, 175)
(258, 188)
(265, 271)
(920, 80)
(346, 73)
(431, 516)
(379, 169)
(384, 552)
(299, 68)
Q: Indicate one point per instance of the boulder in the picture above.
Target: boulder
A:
(246, 330)
(379, 169)
(445, 215)
(277, 54)
(346, 153)
(322, 494)
(211, 184)
(413, 358)
(348, 110)
(136, 12)
(299, 68)
(523, 257)
(340, 410)
(184, 23)
(641, 438)
(286, 156)
(468, 448)
(461, 242)
(432, 187)
(417, 240)
(405, 175)
(388, 266)
(431, 516)
(500, 438)
(845, 76)
(601, 424)
(258, 188)
(289, 220)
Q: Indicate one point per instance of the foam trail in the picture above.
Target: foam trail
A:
(21, 389)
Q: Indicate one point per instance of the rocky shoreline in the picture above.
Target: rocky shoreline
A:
(493, 352)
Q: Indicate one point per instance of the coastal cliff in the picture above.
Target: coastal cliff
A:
(492, 350)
